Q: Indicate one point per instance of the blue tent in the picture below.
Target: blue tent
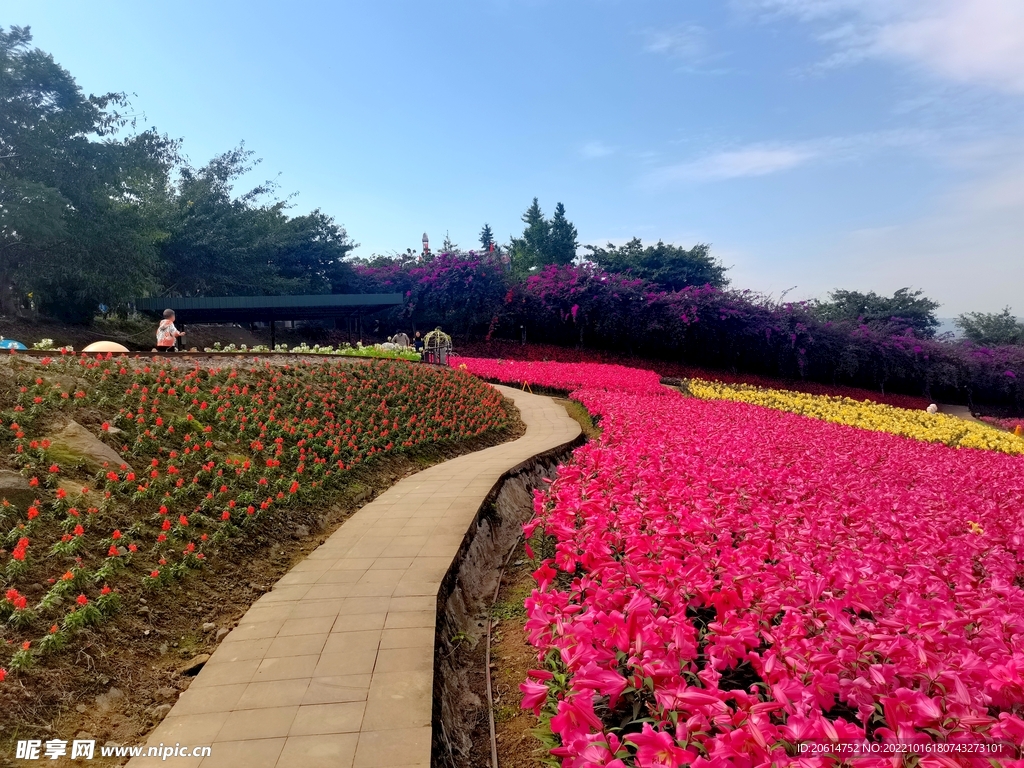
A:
(11, 344)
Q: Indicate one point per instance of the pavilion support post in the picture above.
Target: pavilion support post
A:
(273, 335)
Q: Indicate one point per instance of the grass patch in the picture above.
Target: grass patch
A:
(190, 644)
(505, 713)
(578, 412)
(511, 605)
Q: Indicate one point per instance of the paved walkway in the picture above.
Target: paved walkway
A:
(959, 411)
(334, 666)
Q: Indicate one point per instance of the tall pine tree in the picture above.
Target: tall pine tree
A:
(537, 230)
(562, 242)
(487, 237)
(448, 246)
(531, 249)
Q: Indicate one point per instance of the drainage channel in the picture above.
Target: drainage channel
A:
(463, 609)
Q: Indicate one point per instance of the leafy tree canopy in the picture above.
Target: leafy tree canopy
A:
(670, 266)
(992, 329)
(79, 209)
(88, 216)
(219, 244)
(543, 242)
(905, 308)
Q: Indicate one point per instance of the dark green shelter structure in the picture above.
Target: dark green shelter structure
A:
(269, 309)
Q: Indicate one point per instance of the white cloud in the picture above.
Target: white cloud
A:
(596, 149)
(967, 41)
(738, 163)
(964, 252)
(765, 158)
(688, 42)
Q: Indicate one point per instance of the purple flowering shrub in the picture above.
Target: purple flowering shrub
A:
(728, 330)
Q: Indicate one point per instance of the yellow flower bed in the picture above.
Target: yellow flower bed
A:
(919, 425)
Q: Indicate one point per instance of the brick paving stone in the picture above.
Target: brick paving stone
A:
(334, 666)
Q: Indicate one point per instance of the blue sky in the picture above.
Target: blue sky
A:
(866, 144)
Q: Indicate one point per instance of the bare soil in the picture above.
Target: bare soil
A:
(140, 336)
(137, 336)
(512, 657)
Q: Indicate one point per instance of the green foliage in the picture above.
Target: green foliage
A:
(89, 217)
(578, 412)
(529, 250)
(22, 618)
(543, 242)
(670, 266)
(77, 226)
(905, 309)
(486, 237)
(52, 642)
(222, 245)
(22, 659)
(85, 616)
(562, 243)
(992, 329)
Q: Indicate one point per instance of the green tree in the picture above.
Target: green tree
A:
(448, 246)
(80, 211)
(223, 245)
(670, 266)
(486, 238)
(992, 329)
(905, 309)
(312, 254)
(561, 244)
(530, 250)
(220, 244)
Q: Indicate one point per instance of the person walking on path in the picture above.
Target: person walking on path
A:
(417, 344)
(166, 334)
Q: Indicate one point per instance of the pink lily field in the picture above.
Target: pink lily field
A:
(210, 454)
(721, 584)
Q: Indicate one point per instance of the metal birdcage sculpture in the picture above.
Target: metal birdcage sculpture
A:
(437, 346)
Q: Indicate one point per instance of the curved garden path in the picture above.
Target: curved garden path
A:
(334, 666)
(959, 411)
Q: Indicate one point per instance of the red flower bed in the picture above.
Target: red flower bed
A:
(211, 451)
(564, 377)
(728, 582)
(509, 350)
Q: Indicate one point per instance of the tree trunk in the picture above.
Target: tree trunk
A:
(10, 306)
